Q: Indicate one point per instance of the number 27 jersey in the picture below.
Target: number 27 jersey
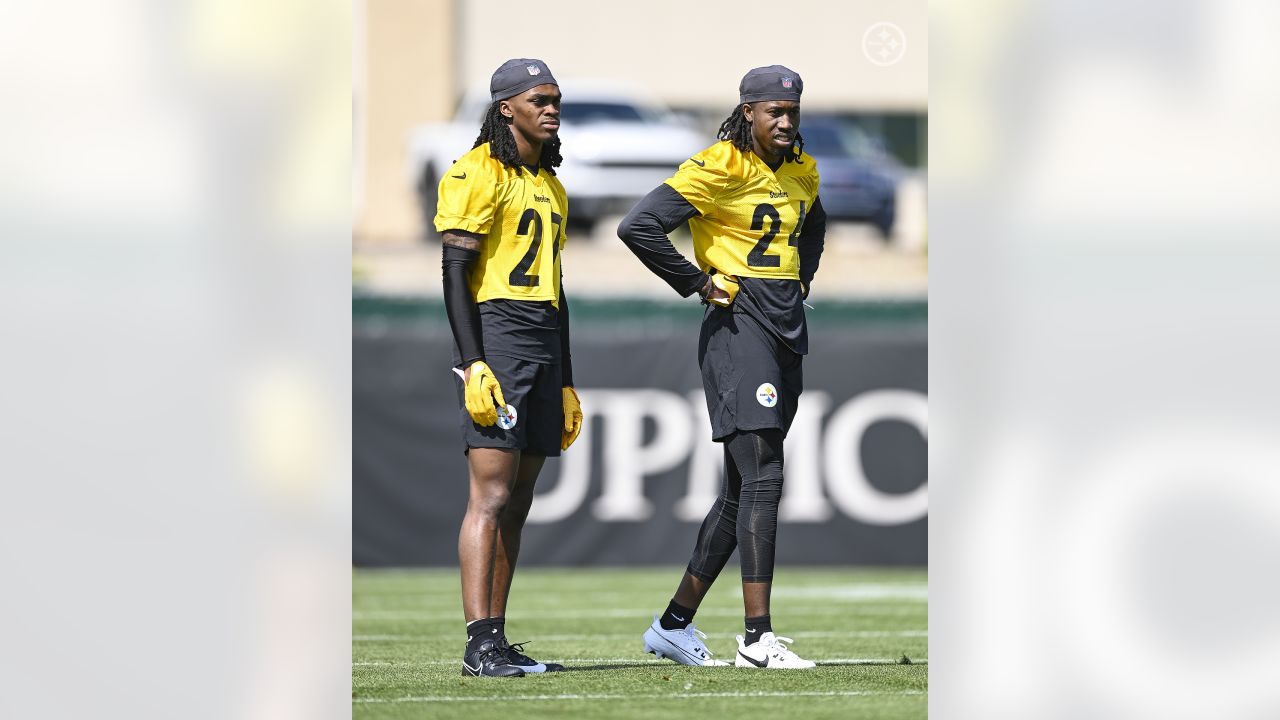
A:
(522, 217)
(750, 217)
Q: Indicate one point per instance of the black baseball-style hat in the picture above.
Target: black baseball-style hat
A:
(773, 82)
(515, 76)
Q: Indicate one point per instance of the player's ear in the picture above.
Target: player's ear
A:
(505, 108)
(746, 111)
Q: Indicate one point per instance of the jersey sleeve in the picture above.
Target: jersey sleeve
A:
(644, 230)
(699, 181)
(468, 197)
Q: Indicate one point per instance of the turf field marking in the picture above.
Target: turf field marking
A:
(666, 696)
(636, 635)
(852, 592)
(645, 661)
(598, 613)
(854, 589)
(830, 593)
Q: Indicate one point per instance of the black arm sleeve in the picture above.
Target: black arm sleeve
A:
(566, 361)
(812, 238)
(645, 229)
(464, 314)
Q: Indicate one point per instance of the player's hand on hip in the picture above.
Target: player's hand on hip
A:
(572, 417)
(721, 290)
(480, 394)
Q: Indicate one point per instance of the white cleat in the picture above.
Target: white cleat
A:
(682, 646)
(769, 652)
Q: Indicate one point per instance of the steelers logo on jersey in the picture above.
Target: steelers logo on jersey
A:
(749, 216)
(521, 215)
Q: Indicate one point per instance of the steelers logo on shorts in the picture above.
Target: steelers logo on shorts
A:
(767, 395)
(507, 417)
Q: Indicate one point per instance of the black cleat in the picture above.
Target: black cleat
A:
(516, 656)
(489, 660)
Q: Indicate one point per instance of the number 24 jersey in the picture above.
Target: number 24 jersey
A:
(749, 217)
(522, 217)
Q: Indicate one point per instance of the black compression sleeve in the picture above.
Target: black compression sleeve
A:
(566, 361)
(464, 314)
(812, 239)
(645, 229)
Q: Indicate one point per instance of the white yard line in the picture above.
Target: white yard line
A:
(636, 635)
(842, 590)
(830, 593)
(641, 661)
(852, 593)
(668, 696)
(619, 612)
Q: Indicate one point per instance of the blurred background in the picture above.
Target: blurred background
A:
(179, 200)
(637, 102)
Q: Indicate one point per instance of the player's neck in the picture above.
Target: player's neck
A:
(530, 150)
(773, 160)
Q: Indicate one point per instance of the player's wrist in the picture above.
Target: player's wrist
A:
(467, 366)
(707, 286)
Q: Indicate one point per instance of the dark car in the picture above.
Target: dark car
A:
(859, 178)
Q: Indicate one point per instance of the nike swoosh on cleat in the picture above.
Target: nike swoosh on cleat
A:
(463, 176)
(476, 670)
(753, 661)
(686, 653)
(699, 163)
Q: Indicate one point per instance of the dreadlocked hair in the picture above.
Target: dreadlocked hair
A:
(496, 130)
(737, 130)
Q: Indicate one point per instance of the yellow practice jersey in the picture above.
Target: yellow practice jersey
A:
(750, 216)
(522, 217)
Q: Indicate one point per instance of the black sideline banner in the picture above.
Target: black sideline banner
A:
(636, 485)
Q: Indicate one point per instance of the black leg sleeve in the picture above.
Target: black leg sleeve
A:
(464, 314)
(644, 230)
(718, 535)
(758, 455)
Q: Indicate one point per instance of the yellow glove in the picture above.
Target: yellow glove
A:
(572, 417)
(481, 394)
(728, 284)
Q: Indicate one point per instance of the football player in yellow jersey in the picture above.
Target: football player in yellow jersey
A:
(501, 212)
(751, 201)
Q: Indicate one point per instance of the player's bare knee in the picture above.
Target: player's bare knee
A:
(490, 502)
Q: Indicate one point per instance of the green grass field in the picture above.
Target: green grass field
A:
(857, 624)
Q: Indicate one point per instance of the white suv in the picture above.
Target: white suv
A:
(617, 145)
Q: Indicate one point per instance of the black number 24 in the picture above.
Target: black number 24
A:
(759, 255)
(520, 276)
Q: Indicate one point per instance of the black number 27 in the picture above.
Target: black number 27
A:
(520, 276)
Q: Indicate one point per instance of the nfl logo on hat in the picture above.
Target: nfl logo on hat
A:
(786, 82)
(533, 69)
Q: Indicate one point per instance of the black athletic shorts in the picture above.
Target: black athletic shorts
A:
(532, 389)
(751, 379)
